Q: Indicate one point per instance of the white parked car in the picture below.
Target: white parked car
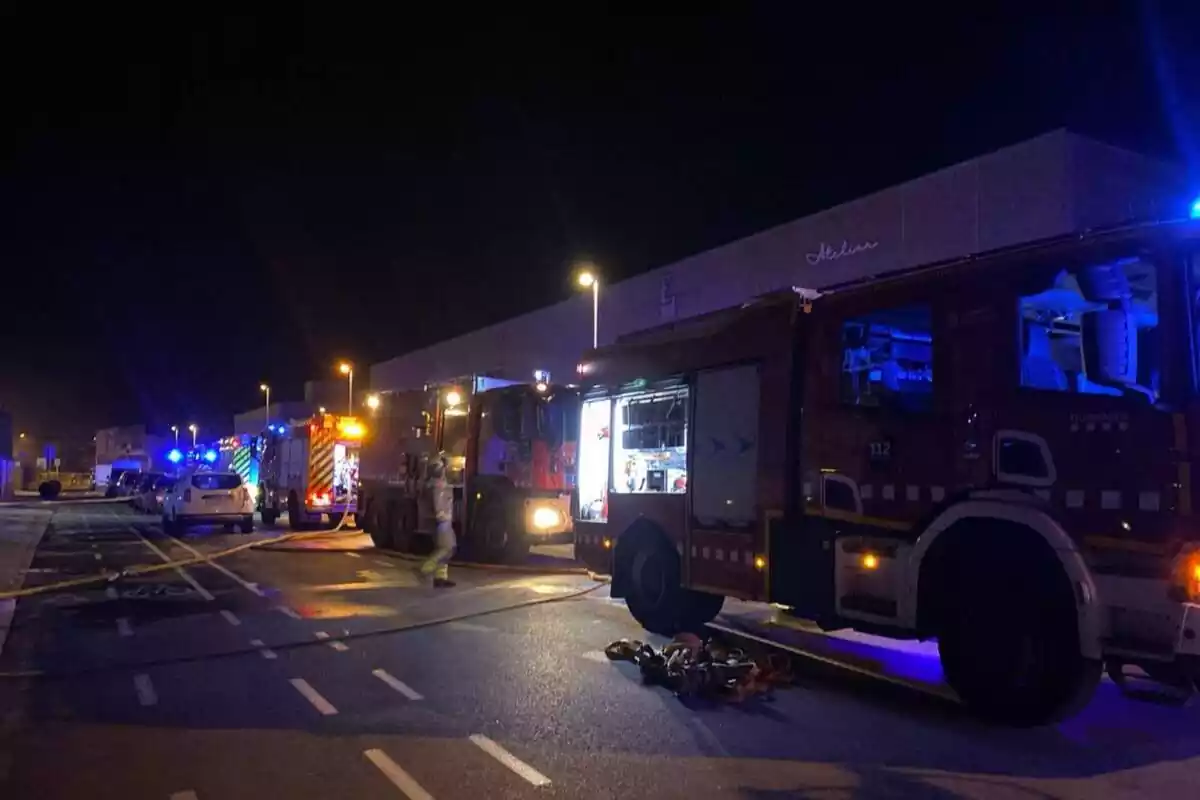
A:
(207, 497)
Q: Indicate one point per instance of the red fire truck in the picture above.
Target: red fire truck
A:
(310, 468)
(510, 449)
(995, 452)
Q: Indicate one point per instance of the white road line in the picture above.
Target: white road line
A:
(383, 562)
(353, 555)
(509, 760)
(265, 651)
(289, 612)
(399, 778)
(145, 689)
(123, 626)
(397, 684)
(183, 573)
(185, 795)
(111, 593)
(313, 696)
(96, 556)
(339, 646)
(245, 584)
(322, 635)
(230, 617)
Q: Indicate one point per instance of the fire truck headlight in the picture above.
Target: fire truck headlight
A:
(544, 518)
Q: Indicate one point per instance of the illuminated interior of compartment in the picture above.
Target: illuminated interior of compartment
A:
(595, 440)
(345, 469)
(887, 359)
(649, 448)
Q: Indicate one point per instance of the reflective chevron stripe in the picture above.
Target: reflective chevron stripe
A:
(320, 461)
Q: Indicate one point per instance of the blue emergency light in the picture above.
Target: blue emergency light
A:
(210, 456)
(1195, 212)
(175, 456)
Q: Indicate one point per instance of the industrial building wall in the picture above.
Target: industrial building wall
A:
(1053, 184)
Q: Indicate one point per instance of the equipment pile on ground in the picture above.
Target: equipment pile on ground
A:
(689, 666)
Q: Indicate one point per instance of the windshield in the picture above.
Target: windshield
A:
(216, 480)
(558, 418)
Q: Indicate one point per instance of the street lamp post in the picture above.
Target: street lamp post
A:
(589, 279)
(193, 428)
(347, 369)
(267, 411)
(175, 430)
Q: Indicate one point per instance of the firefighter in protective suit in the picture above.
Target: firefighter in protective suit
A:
(441, 497)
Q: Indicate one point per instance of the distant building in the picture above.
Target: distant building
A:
(1053, 184)
(133, 447)
(253, 421)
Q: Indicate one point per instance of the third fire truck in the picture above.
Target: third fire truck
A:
(510, 453)
(310, 469)
(997, 453)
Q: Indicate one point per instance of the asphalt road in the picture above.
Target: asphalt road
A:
(319, 674)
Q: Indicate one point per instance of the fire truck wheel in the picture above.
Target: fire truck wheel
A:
(1009, 639)
(297, 517)
(655, 597)
(269, 516)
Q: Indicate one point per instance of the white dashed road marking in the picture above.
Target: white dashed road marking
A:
(322, 635)
(339, 646)
(145, 689)
(123, 626)
(383, 562)
(313, 696)
(399, 778)
(230, 617)
(96, 556)
(509, 760)
(183, 573)
(289, 612)
(265, 651)
(353, 555)
(397, 684)
(245, 584)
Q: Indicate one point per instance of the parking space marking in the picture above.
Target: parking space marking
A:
(353, 555)
(509, 760)
(230, 617)
(263, 650)
(183, 573)
(397, 684)
(399, 778)
(123, 626)
(313, 696)
(322, 635)
(245, 584)
(338, 646)
(383, 562)
(291, 613)
(145, 689)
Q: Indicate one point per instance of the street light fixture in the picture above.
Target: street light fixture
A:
(372, 401)
(193, 428)
(175, 430)
(347, 369)
(262, 387)
(588, 279)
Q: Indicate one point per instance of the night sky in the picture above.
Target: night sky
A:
(190, 205)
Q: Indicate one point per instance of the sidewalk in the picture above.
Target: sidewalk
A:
(21, 530)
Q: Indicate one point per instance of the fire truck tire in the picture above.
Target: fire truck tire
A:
(655, 597)
(297, 516)
(495, 538)
(1008, 634)
(270, 516)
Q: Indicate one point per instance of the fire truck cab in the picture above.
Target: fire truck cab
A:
(995, 452)
(310, 468)
(509, 449)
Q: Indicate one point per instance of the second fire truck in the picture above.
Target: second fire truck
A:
(510, 453)
(997, 453)
(310, 469)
